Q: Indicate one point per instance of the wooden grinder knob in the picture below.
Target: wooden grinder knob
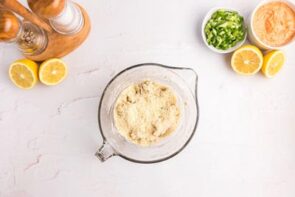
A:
(47, 8)
(9, 25)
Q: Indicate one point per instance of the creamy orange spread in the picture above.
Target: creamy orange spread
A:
(274, 23)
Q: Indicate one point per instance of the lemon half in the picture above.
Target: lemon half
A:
(272, 63)
(52, 71)
(247, 60)
(24, 73)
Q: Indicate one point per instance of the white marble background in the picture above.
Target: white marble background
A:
(245, 141)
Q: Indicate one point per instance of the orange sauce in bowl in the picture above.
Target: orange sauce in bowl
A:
(274, 23)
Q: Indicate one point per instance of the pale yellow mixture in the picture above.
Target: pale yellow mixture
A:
(146, 112)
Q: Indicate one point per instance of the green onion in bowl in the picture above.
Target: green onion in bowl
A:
(225, 29)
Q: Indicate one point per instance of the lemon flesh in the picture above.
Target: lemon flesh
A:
(273, 63)
(247, 60)
(52, 71)
(24, 73)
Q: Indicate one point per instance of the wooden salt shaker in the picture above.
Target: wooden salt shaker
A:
(64, 16)
(70, 22)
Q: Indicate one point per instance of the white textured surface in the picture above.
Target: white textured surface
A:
(245, 141)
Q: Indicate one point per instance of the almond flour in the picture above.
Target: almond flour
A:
(146, 112)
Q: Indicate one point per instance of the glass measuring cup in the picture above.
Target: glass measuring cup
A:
(184, 83)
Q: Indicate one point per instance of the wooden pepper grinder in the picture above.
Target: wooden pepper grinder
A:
(9, 26)
(64, 16)
(30, 39)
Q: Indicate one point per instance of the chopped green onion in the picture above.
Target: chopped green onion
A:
(225, 29)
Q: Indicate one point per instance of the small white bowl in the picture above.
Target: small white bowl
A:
(206, 19)
(252, 35)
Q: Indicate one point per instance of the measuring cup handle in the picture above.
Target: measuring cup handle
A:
(105, 152)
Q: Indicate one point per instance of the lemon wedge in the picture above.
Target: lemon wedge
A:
(272, 63)
(52, 71)
(247, 60)
(24, 73)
